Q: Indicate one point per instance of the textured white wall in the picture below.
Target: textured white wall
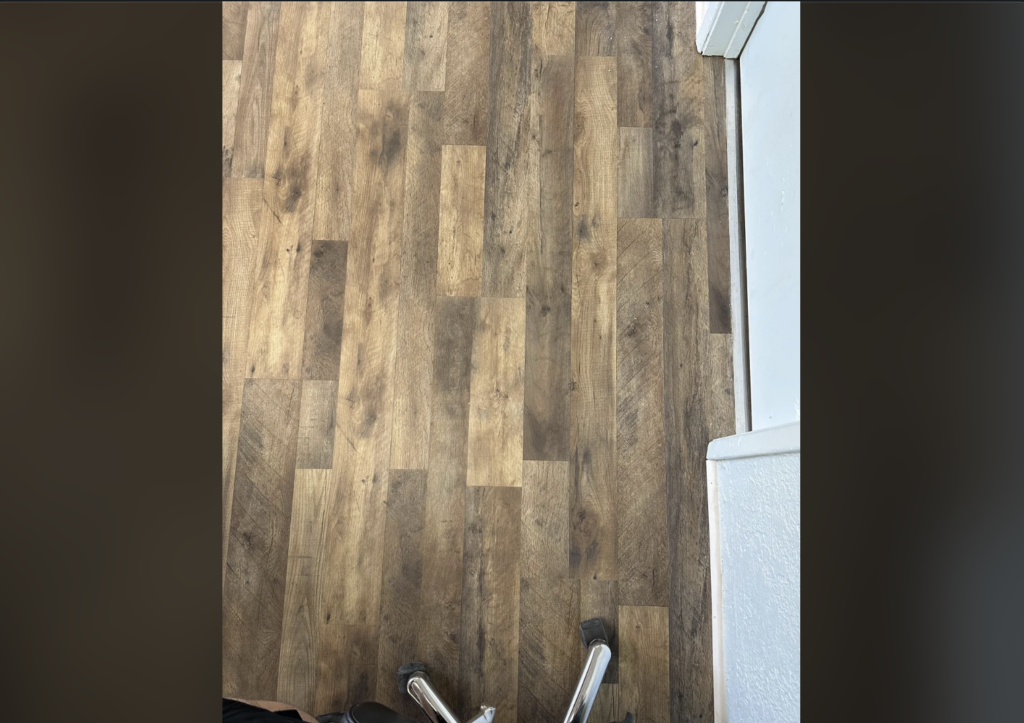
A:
(759, 527)
(770, 110)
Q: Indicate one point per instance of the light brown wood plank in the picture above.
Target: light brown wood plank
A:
(636, 173)
(549, 269)
(443, 532)
(257, 561)
(554, 28)
(363, 436)
(512, 206)
(550, 654)
(426, 43)
(592, 412)
(685, 291)
(254, 97)
(546, 528)
(466, 91)
(643, 663)
(488, 662)
(717, 194)
(461, 229)
(231, 82)
(383, 48)
(278, 320)
(316, 425)
(595, 28)
(410, 438)
(297, 670)
(633, 24)
(600, 599)
(640, 441)
(241, 202)
(333, 215)
(677, 93)
(325, 310)
(233, 29)
(722, 419)
(496, 395)
(400, 590)
(362, 448)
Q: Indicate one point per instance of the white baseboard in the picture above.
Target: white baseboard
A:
(725, 27)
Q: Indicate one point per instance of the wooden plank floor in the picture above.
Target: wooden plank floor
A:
(476, 340)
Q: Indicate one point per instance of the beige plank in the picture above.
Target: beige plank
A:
(383, 47)
(546, 526)
(636, 173)
(316, 425)
(426, 45)
(554, 27)
(231, 84)
(643, 663)
(496, 394)
(461, 228)
(466, 61)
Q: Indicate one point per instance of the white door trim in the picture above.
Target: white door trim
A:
(725, 26)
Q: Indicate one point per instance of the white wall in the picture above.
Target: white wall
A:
(770, 114)
(754, 516)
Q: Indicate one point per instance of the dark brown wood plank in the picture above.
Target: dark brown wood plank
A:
(252, 122)
(600, 599)
(595, 28)
(606, 704)
(297, 670)
(633, 25)
(257, 560)
(636, 173)
(488, 661)
(383, 48)
(325, 310)
(512, 196)
(550, 654)
(426, 43)
(231, 84)
(443, 534)
(241, 202)
(643, 663)
(716, 168)
(678, 100)
(332, 219)
(347, 671)
(277, 325)
(410, 440)
(400, 589)
(546, 530)
(549, 270)
(233, 29)
(316, 425)
(592, 406)
(466, 91)
(640, 442)
(685, 291)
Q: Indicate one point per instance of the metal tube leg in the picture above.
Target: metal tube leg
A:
(429, 701)
(598, 657)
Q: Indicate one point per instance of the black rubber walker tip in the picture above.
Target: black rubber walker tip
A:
(406, 672)
(591, 631)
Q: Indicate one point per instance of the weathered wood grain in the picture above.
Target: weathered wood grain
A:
(461, 229)
(233, 29)
(410, 440)
(325, 310)
(549, 269)
(595, 28)
(496, 395)
(231, 82)
(316, 425)
(252, 122)
(636, 173)
(592, 412)
(633, 25)
(489, 653)
(257, 560)
(465, 90)
(643, 663)
(550, 654)
(383, 48)
(546, 530)
(716, 169)
(426, 43)
(554, 28)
